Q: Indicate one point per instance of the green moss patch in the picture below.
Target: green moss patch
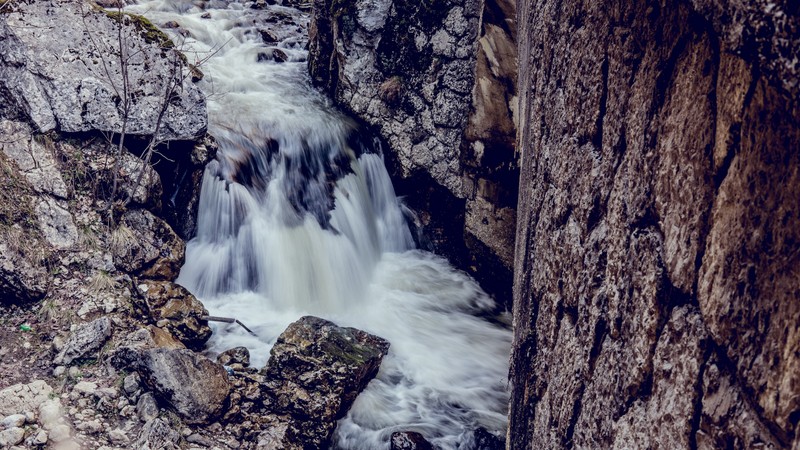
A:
(151, 33)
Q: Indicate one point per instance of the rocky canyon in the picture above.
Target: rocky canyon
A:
(394, 224)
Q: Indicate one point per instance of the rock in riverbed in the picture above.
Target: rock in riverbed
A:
(315, 371)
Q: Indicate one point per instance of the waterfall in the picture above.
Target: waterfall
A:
(298, 216)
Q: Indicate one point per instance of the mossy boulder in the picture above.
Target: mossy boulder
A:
(315, 371)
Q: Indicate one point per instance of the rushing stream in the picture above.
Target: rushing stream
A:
(298, 216)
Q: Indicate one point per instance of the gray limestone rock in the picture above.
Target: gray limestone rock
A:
(193, 385)
(85, 341)
(157, 434)
(70, 78)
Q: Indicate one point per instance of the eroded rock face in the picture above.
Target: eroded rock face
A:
(68, 79)
(315, 371)
(656, 225)
(438, 82)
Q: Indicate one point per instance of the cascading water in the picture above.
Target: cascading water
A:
(298, 216)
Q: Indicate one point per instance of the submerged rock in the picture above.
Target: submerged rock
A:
(315, 371)
(409, 440)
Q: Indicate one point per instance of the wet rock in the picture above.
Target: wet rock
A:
(443, 97)
(268, 36)
(57, 82)
(236, 355)
(157, 434)
(485, 440)
(315, 371)
(173, 308)
(85, 340)
(193, 385)
(144, 244)
(410, 440)
(279, 55)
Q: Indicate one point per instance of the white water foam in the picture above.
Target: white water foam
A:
(298, 216)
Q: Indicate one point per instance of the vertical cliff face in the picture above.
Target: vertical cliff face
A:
(656, 300)
(435, 79)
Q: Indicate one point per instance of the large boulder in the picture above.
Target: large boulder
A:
(315, 371)
(176, 310)
(60, 70)
(196, 387)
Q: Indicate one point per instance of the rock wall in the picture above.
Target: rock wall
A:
(656, 300)
(435, 79)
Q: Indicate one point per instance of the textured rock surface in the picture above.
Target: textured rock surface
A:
(85, 341)
(656, 301)
(24, 397)
(192, 384)
(437, 81)
(409, 440)
(157, 434)
(145, 245)
(62, 77)
(176, 310)
(315, 371)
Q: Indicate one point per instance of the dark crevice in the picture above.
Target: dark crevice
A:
(597, 139)
(600, 332)
(665, 77)
(722, 171)
(726, 365)
(697, 410)
(569, 435)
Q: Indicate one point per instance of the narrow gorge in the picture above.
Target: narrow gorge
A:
(385, 224)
